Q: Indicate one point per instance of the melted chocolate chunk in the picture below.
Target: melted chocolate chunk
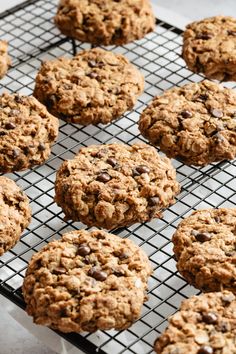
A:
(186, 114)
(203, 237)
(103, 177)
(97, 274)
(205, 349)
(10, 126)
(209, 318)
(83, 250)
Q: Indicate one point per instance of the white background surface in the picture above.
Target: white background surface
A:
(14, 339)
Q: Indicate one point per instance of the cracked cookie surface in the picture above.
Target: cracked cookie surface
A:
(15, 213)
(210, 47)
(115, 185)
(95, 86)
(5, 60)
(87, 281)
(105, 22)
(27, 132)
(205, 249)
(204, 324)
(195, 123)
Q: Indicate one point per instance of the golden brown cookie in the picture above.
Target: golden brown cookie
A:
(204, 324)
(27, 132)
(95, 86)
(210, 47)
(195, 123)
(87, 281)
(115, 185)
(105, 22)
(205, 249)
(15, 213)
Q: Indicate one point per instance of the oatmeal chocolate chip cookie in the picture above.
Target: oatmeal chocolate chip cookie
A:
(196, 123)
(205, 249)
(95, 86)
(210, 47)
(27, 132)
(87, 281)
(115, 185)
(105, 22)
(15, 213)
(5, 60)
(204, 324)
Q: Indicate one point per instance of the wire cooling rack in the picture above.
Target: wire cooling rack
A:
(32, 37)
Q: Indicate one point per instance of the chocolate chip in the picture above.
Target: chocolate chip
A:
(224, 327)
(186, 114)
(83, 250)
(15, 153)
(228, 298)
(202, 237)
(153, 201)
(93, 75)
(103, 177)
(41, 147)
(209, 318)
(92, 63)
(10, 126)
(111, 161)
(205, 349)
(204, 36)
(202, 97)
(97, 274)
(100, 153)
(19, 99)
(231, 33)
(217, 113)
(217, 219)
(140, 169)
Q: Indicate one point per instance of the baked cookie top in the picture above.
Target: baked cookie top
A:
(204, 246)
(15, 213)
(105, 22)
(87, 281)
(27, 132)
(5, 60)
(95, 86)
(196, 123)
(210, 47)
(204, 324)
(115, 185)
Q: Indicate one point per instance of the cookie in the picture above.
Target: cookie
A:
(105, 22)
(205, 249)
(15, 213)
(115, 185)
(195, 123)
(210, 47)
(95, 86)
(5, 60)
(204, 324)
(27, 132)
(87, 281)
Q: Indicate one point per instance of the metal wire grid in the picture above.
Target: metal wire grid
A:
(33, 38)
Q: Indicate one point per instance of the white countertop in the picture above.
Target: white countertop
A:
(14, 338)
